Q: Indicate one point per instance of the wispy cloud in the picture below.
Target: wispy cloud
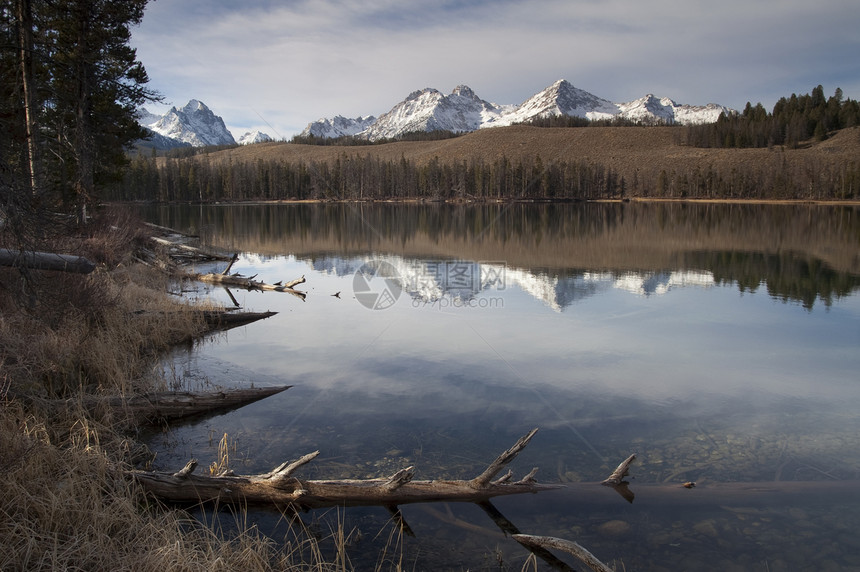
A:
(293, 62)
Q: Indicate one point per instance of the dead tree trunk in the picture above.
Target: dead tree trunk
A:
(249, 283)
(279, 488)
(172, 405)
(185, 253)
(163, 406)
(222, 320)
(568, 546)
(46, 261)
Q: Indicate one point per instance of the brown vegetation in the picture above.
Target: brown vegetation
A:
(67, 504)
(634, 152)
(510, 163)
(647, 150)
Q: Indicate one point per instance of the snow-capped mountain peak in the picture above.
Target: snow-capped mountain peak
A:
(146, 118)
(251, 137)
(561, 98)
(194, 124)
(338, 126)
(461, 111)
(430, 110)
(195, 105)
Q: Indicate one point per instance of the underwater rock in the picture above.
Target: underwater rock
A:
(613, 528)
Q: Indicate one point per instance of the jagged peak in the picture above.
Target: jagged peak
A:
(194, 105)
(193, 123)
(465, 91)
(463, 110)
(421, 92)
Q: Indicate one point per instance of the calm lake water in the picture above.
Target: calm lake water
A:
(719, 343)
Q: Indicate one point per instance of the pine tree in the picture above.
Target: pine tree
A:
(97, 85)
(70, 91)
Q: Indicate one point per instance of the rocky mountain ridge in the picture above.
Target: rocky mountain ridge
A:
(191, 125)
(463, 111)
(194, 124)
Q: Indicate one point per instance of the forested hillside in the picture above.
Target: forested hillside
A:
(793, 120)
(518, 162)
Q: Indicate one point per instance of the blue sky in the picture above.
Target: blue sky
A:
(278, 65)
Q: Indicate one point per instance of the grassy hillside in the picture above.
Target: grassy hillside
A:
(518, 162)
(627, 150)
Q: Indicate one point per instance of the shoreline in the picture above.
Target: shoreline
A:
(477, 201)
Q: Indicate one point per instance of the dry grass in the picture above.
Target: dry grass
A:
(96, 333)
(67, 506)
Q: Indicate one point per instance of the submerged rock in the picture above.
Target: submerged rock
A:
(614, 528)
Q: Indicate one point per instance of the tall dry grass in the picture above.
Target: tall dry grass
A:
(67, 505)
(64, 333)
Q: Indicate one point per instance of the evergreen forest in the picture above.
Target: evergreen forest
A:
(70, 86)
(792, 121)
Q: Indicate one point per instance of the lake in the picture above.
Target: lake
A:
(720, 343)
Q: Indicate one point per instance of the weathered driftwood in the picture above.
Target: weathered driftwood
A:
(169, 405)
(510, 529)
(233, 260)
(617, 476)
(249, 283)
(223, 319)
(617, 482)
(218, 320)
(168, 231)
(186, 252)
(280, 488)
(45, 261)
(546, 542)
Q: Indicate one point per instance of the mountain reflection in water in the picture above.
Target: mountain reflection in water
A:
(800, 252)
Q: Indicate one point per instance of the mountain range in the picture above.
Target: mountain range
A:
(192, 125)
(429, 110)
(463, 111)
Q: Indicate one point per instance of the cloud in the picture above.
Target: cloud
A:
(294, 62)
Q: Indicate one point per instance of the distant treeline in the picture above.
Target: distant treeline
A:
(354, 177)
(574, 121)
(792, 121)
(355, 141)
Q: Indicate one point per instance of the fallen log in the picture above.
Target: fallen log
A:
(222, 319)
(280, 489)
(184, 251)
(249, 283)
(216, 320)
(546, 542)
(159, 407)
(173, 405)
(45, 261)
(168, 231)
